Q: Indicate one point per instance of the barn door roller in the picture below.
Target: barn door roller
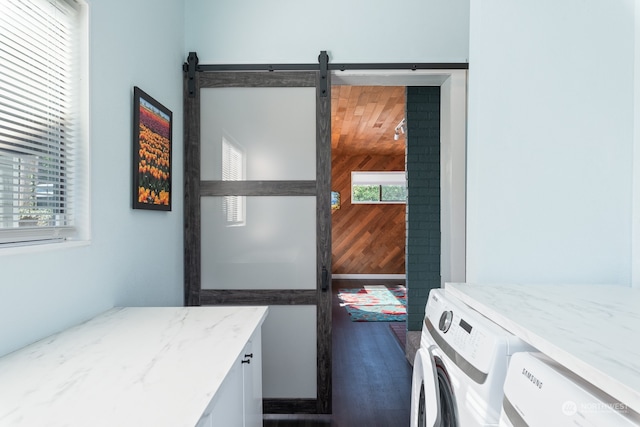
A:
(190, 67)
(323, 59)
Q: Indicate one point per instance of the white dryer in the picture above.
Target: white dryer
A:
(460, 367)
(540, 393)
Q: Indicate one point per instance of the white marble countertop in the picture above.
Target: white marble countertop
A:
(593, 330)
(127, 367)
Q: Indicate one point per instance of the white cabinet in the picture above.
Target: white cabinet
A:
(252, 376)
(225, 408)
(238, 401)
(141, 366)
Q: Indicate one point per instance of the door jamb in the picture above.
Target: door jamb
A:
(453, 142)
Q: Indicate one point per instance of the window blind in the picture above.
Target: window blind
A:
(38, 119)
(233, 170)
(378, 178)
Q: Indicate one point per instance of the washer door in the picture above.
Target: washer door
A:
(447, 403)
(425, 392)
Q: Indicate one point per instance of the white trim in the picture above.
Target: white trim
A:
(30, 249)
(453, 181)
(635, 194)
(392, 77)
(369, 276)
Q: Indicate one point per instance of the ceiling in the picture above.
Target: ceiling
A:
(364, 118)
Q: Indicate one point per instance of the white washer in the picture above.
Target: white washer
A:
(460, 367)
(540, 393)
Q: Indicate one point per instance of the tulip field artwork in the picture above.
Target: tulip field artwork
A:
(151, 153)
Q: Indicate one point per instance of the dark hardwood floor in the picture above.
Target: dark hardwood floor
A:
(371, 375)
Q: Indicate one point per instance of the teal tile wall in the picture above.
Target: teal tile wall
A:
(423, 207)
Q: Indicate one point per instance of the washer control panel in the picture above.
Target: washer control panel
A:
(472, 336)
(466, 338)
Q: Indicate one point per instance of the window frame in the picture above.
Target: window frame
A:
(378, 179)
(70, 183)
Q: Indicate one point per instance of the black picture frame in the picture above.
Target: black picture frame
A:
(152, 148)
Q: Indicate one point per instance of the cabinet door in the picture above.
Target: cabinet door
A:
(227, 405)
(205, 421)
(252, 376)
(238, 402)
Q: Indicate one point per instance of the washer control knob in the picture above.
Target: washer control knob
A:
(445, 320)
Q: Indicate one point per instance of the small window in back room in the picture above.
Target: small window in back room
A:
(43, 140)
(378, 187)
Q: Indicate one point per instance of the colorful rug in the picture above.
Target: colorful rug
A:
(376, 303)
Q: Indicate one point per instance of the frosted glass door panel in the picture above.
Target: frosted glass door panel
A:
(289, 333)
(272, 131)
(272, 247)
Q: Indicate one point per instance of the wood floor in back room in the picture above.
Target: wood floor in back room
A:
(371, 375)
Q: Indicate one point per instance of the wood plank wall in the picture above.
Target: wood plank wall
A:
(367, 239)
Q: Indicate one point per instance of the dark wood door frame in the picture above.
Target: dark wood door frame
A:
(197, 78)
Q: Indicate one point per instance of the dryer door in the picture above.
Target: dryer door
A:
(425, 391)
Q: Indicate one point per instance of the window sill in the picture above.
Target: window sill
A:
(42, 247)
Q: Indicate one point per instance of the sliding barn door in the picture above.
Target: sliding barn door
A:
(258, 219)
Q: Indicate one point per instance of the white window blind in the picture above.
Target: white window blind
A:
(378, 178)
(39, 129)
(233, 170)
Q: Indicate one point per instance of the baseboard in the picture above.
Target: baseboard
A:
(369, 276)
(290, 406)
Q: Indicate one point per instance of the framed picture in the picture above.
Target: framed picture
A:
(152, 131)
(335, 200)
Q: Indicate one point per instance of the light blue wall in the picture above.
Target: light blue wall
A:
(550, 141)
(551, 112)
(635, 252)
(551, 133)
(295, 31)
(134, 257)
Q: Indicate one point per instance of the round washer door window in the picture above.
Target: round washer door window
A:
(447, 399)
